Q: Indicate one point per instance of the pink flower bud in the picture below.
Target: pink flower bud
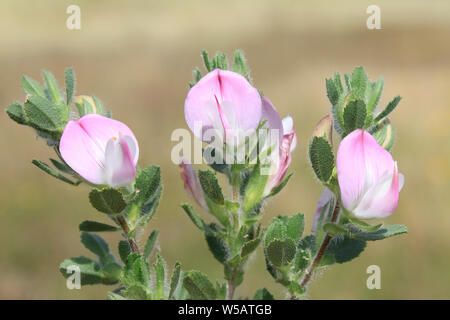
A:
(368, 177)
(222, 100)
(191, 183)
(101, 150)
(288, 142)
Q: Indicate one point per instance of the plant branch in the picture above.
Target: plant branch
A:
(123, 224)
(323, 247)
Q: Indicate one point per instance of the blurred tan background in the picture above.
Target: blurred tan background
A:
(137, 56)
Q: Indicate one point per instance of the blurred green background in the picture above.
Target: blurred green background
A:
(137, 56)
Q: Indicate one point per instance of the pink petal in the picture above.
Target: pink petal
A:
(82, 154)
(101, 129)
(83, 147)
(222, 87)
(381, 199)
(361, 165)
(288, 128)
(270, 114)
(120, 170)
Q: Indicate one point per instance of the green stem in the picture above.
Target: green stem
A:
(124, 225)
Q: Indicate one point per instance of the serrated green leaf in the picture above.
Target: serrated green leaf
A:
(32, 87)
(389, 108)
(305, 253)
(70, 84)
(195, 218)
(295, 227)
(332, 91)
(160, 277)
(210, 186)
(263, 294)
(359, 83)
(175, 279)
(354, 115)
(124, 250)
(52, 87)
(281, 252)
(280, 187)
(150, 244)
(218, 247)
(345, 249)
(94, 226)
(15, 112)
(321, 157)
(277, 230)
(199, 286)
(249, 247)
(42, 115)
(136, 271)
(108, 201)
(382, 233)
(90, 271)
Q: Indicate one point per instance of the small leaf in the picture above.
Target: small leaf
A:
(124, 250)
(382, 233)
(280, 187)
(322, 158)
(206, 61)
(96, 245)
(281, 252)
(218, 247)
(175, 280)
(108, 201)
(332, 91)
(15, 112)
(94, 226)
(149, 187)
(210, 186)
(359, 83)
(295, 227)
(263, 294)
(70, 84)
(62, 166)
(389, 108)
(52, 87)
(354, 115)
(150, 244)
(249, 247)
(42, 115)
(32, 87)
(136, 271)
(160, 274)
(199, 286)
(194, 216)
(345, 249)
(90, 271)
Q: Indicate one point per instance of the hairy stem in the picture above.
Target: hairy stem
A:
(231, 288)
(123, 224)
(323, 247)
